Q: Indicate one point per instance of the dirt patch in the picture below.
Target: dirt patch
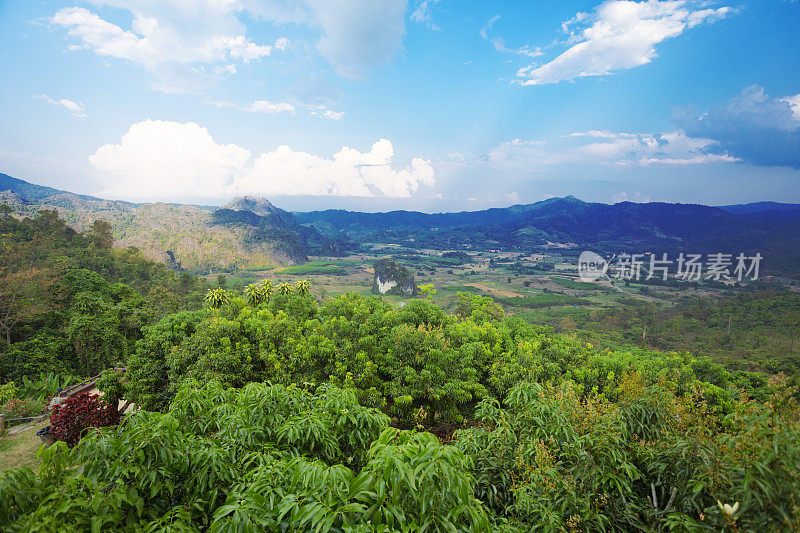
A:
(499, 292)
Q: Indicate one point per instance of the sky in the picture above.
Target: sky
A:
(374, 105)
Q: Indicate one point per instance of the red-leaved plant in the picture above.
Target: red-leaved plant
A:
(71, 419)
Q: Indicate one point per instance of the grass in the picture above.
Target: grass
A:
(20, 449)
(578, 285)
(541, 300)
(460, 288)
(261, 268)
(314, 268)
(547, 315)
(242, 280)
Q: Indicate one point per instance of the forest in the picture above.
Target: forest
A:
(266, 408)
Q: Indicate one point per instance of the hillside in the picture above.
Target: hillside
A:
(196, 238)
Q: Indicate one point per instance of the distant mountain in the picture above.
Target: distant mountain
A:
(191, 237)
(622, 227)
(32, 192)
(251, 231)
(759, 207)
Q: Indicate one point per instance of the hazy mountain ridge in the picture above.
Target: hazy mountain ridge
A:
(192, 237)
(251, 231)
(626, 226)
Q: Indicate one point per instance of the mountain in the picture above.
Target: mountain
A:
(31, 191)
(246, 232)
(759, 207)
(251, 231)
(622, 227)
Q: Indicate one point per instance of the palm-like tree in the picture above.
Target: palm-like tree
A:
(266, 289)
(253, 294)
(216, 298)
(303, 287)
(285, 288)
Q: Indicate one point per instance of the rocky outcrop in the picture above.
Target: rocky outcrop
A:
(392, 278)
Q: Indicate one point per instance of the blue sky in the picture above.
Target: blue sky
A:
(429, 105)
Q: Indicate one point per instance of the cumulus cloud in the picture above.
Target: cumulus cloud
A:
(165, 160)
(794, 103)
(752, 126)
(348, 173)
(181, 44)
(618, 35)
(75, 109)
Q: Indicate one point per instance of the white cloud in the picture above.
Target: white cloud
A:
(174, 40)
(635, 197)
(794, 104)
(333, 115)
(348, 173)
(358, 35)
(422, 14)
(75, 109)
(673, 148)
(752, 125)
(604, 148)
(182, 42)
(264, 106)
(500, 44)
(619, 35)
(483, 32)
(513, 198)
(163, 160)
(168, 160)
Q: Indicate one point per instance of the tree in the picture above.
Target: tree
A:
(24, 296)
(216, 298)
(253, 294)
(302, 287)
(266, 289)
(428, 290)
(94, 331)
(285, 288)
(100, 234)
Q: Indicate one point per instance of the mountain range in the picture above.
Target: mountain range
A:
(250, 231)
(769, 228)
(246, 232)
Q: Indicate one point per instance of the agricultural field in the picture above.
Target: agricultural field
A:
(539, 286)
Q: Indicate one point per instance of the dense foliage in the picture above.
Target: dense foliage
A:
(270, 411)
(71, 304)
(417, 363)
(549, 457)
(263, 458)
